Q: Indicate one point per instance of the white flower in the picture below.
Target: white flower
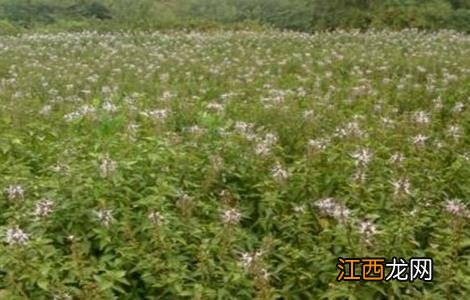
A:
(109, 107)
(307, 114)
(262, 149)
(367, 228)
(248, 259)
(107, 166)
(270, 138)
(279, 173)
(420, 140)
(231, 216)
(86, 109)
(459, 106)
(401, 186)
(454, 131)
(331, 207)
(421, 69)
(214, 106)
(72, 116)
(132, 130)
(158, 114)
(106, 90)
(167, 95)
(60, 168)
(195, 129)
(64, 296)
(317, 144)
(217, 162)
(466, 156)
(360, 175)
(79, 113)
(378, 107)
(326, 204)
(422, 117)
(14, 192)
(265, 274)
(243, 127)
(362, 156)
(341, 213)
(105, 216)
(299, 208)
(456, 207)
(397, 158)
(164, 77)
(44, 208)
(46, 109)
(351, 129)
(387, 121)
(438, 103)
(16, 236)
(156, 217)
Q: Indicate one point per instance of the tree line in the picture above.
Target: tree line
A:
(301, 15)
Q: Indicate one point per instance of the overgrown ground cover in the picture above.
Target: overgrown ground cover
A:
(232, 165)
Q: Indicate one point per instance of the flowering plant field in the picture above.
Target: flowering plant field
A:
(232, 164)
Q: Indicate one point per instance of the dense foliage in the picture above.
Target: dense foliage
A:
(301, 15)
(232, 165)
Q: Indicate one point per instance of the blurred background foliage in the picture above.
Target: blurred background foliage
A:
(300, 15)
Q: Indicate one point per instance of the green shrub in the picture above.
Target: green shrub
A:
(460, 20)
(27, 14)
(343, 14)
(30, 14)
(6, 28)
(402, 14)
(90, 10)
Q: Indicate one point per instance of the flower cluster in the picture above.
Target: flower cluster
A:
(332, 208)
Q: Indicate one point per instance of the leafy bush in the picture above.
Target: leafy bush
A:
(340, 14)
(28, 14)
(90, 10)
(7, 28)
(427, 15)
(460, 20)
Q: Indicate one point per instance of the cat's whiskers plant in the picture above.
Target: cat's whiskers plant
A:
(140, 163)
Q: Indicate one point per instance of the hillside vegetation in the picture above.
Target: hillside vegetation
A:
(300, 15)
